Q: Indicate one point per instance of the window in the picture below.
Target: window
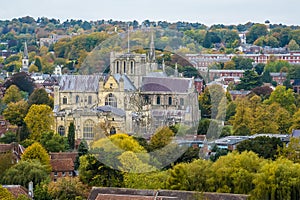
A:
(118, 66)
(146, 99)
(111, 100)
(70, 173)
(63, 173)
(55, 173)
(61, 131)
(90, 100)
(77, 99)
(88, 129)
(65, 100)
(132, 67)
(158, 100)
(181, 101)
(124, 65)
(170, 100)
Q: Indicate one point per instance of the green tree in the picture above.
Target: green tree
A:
(291, 151)
(71, 136)
(8, 138)
(39, 97)
(39, 120)
(37, 152)
(82, 150)
(285, 98)
(24, 172)
(12, 95)
(6, 161)
(54, 142)
(255, 32)
(38, 63)
(264, 146)
(249, 81)
(242, 118)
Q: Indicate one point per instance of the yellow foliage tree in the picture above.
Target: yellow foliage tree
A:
(37, 152)
(12, 94)
(39, 120)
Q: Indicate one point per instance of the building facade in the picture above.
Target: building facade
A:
(135, 98)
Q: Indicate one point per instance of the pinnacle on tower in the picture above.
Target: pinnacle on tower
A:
(152, 48)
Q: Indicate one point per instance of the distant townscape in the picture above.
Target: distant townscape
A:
(149, 110)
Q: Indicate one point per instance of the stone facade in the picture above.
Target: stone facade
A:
(134, 98)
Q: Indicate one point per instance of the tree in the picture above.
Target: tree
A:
(161, 138)
(242, 118)
(5, 194)
(259, 68)
(37, 152)
(54, 142)
(234, 173)
(39, 97)
(264, 146)
(71, 135)
(12, 95)
(82, 150)
(39, 120)
(293, 45)
(285, 98)
(8, 138)
(277, 180)
(263, 92)
(249, 81)
(229, 65)
(255, 32)
(16, 112)
(6, 162)
(68, 188)
(24, 172)
(38, 63)
(291, 151)
(22, 80)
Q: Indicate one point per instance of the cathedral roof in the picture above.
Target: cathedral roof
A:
(110, 109)
(128, 85)
(166, 84)
(79, 83)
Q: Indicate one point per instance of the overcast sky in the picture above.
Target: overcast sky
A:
(204, 11)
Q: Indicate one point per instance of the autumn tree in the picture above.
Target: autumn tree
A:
(16, 112)
(37, 152)
(5, 194)
(68, 188)
(22, 80)
(277, 180)
(255, 32)
(12, 95)
(161, 138)
(242, 118)
(291, 151)
(39, 120)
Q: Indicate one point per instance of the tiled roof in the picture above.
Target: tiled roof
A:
(17, 190)
(166, 84)
(4, 148)
(62, 165)
(79, 83)
(64, 155)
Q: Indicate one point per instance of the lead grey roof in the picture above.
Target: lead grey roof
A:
(128, 86)
(107, 108)
(79, 83)
(166, 84)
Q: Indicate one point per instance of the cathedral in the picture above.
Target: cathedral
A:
(136, 98)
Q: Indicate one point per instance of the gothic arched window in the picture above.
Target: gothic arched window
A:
(117, 66)
(88, 129)
(111, 100)
(61, 131)
(77, 99)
